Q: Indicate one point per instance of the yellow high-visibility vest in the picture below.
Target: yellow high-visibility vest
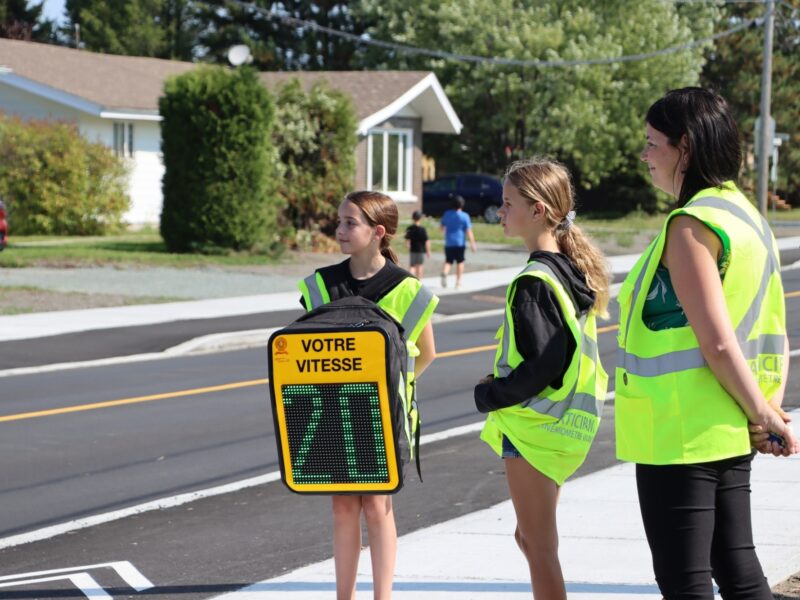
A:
(554, 429)
(669, 406)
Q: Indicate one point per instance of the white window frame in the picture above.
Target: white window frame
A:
(122, 137)
(407, 159)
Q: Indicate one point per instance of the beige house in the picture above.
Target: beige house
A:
(114, 100)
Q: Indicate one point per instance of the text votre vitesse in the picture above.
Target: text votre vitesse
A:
(329, 364)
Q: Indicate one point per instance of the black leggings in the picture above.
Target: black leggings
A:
(697, 521)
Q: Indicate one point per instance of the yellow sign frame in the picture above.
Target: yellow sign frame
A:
(288, 349)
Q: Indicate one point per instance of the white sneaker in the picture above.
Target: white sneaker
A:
(443, 280)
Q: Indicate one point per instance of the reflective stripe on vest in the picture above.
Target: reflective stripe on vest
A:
(416, 311)
(580, 401)
(317, 294)
(672, 362)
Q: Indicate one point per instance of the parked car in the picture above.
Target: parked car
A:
(483, 195)
(3, 226)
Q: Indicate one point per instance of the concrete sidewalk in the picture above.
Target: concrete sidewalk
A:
(603, 549)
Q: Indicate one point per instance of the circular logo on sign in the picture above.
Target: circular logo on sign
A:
(280, 344)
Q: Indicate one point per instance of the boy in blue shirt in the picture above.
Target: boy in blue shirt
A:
(457, 227)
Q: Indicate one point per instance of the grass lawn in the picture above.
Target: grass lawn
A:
(143, 248)
(784, 215)
(622, 229)
(602, 228)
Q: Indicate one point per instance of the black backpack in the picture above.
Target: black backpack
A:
(340, 420)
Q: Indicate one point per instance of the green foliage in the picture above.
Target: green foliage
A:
(590, 117)
(315, 134)
(159, 28)
(56, 182)
(18, 21)
(219, 162)
(735, 67)
(278, 46)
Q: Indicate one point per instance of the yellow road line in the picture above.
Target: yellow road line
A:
(135, 400)
(463, 351)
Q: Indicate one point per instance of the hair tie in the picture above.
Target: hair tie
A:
(568, 220)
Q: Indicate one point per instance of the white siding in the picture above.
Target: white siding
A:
(146, 175)
(146, 168)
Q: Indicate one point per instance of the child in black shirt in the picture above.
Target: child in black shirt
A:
(418, 244)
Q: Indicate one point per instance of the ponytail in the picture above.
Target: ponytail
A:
(387, 252)
(589, 260)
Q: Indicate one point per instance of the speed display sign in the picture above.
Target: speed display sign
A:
(332, 413)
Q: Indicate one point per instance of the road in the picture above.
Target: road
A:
(77, 443)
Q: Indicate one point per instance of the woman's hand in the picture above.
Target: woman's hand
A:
(773, 434)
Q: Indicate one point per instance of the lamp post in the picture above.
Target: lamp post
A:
(765, 138)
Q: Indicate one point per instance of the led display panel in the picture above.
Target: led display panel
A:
(332, 413)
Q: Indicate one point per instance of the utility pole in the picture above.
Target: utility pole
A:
(765, 138)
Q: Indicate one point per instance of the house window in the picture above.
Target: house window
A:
(123, 139)
(389, 160)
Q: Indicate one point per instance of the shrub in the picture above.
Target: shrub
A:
(55, 181)
(315, 134)
(216, 139)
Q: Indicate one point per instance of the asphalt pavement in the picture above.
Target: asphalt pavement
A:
(603, 550)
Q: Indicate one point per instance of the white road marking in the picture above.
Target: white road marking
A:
(81, 578)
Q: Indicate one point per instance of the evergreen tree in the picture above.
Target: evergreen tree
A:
(19, 21)
(157, 28)
(280, 45)
(219, 160)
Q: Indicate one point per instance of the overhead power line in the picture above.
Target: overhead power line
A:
(413, 50)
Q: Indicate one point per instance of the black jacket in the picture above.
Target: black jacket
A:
(542, 335)
(340, 282)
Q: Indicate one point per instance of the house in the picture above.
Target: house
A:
(114, 100)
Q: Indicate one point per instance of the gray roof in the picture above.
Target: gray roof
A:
(135, 83)
(111, 81)
(370, 90)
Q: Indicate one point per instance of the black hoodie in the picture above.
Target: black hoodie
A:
(541, 333)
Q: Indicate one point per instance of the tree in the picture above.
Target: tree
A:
(219, 161)
(18, 21)
(590, 116)
(734, 68)
(158, 28)
(278, 45)
(57, 182)
(316, 140)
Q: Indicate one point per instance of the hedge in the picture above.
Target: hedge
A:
(54, 181)
(220, 164)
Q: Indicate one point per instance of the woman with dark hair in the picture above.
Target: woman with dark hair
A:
(703, 356)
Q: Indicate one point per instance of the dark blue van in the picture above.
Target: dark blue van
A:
(483, 195)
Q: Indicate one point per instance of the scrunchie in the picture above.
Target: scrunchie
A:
(568, 220)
